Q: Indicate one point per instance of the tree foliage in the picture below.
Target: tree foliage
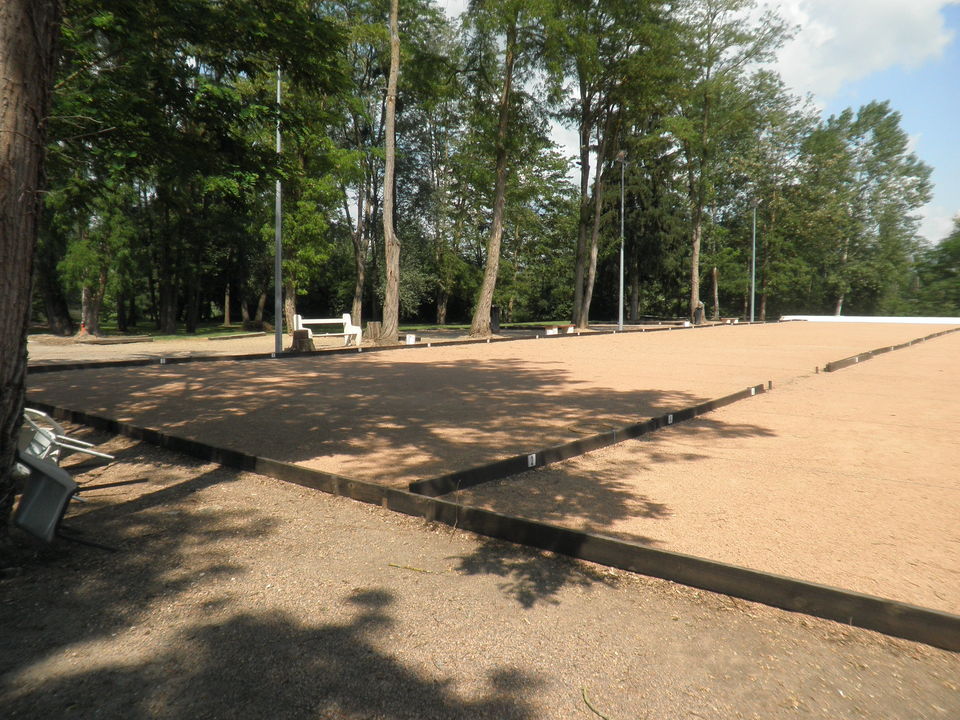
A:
(162, 166)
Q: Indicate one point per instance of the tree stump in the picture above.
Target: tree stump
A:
(302, 341)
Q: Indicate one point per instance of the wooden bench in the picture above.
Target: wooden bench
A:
(349, 329)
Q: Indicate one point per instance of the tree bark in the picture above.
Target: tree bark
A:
(289, 305)
(122, 318)
(49, 252)
(480, 327)
(442, 299)
(696, 237)
(594, 250)
(391, 245)
(598, 187)
(28, 34)
(715, 274)
(583, 223)
(359, 259)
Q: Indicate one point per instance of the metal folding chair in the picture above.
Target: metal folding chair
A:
(43, 437)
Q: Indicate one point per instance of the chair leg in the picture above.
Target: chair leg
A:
(81, 541)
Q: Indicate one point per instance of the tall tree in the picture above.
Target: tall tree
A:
(607, 49)
(519, 25)
(28, 34)
(937, 286)
(719, 44)
(860, 190)
(391, 245)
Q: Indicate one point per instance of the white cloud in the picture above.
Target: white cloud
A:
(453, 8)
(937, 222)
(841, 41)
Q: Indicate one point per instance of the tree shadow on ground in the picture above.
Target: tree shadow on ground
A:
(590, 493)
(382, 419)
(530, 576)
(268, 665)
(595, 490)
(81, 619)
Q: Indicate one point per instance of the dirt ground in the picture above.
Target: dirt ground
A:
(236, 595)
(233, 595)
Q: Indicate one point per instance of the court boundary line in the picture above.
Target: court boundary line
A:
(471, 477)
(846, 362)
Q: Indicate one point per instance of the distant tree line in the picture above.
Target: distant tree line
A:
(161, 167)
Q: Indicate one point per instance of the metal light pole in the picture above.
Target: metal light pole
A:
(753, 261)
(278, 249)
(622, 157)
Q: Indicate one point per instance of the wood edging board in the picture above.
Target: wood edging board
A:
(462, 479)
(860, 357)
(890, 617)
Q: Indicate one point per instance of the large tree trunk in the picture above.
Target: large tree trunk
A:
(122, 317)
(598, 186)
(442, 299)
(92, 303)
(583, 223)
(696, 237)
(55, 305)
(28, 33)
(168, 306)
(591, 278)
(391, 246)
(480, 327)
(715, 274)
(838, 308)
(50, 250)
(360, 268)
(289, 305)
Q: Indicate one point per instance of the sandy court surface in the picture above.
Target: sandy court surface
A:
(400, 416)
(850, 479)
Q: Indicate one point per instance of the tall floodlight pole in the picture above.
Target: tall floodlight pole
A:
(753, 262)
(278, 249)
(622, 157)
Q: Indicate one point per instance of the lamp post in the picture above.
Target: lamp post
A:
(278, 249)
(753, 262)
(622, 157)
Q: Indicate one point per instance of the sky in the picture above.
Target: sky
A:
(849, 52)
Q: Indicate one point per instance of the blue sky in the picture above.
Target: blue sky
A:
(849, 52)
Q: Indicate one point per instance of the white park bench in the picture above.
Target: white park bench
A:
(349, 329)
